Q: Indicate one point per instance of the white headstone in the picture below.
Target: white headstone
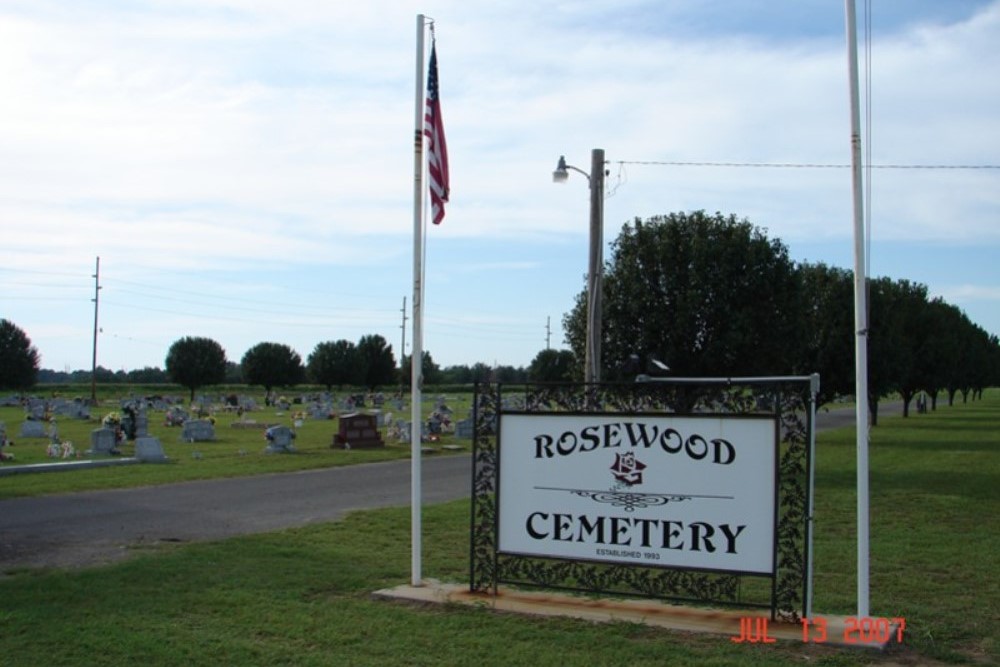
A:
(32, 429)
(197, 430)
(141, 423)
(149, 450)
(279, 439)
(464, 428)
(102, 442)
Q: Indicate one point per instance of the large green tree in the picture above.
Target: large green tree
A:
(431, 371)
(708, 295)
(892, 307)
(335, 363)
(828, 328)
(377, 361)
(195, 362)
(937, 351)
(18, 358)
(552, 366)
(272, 365)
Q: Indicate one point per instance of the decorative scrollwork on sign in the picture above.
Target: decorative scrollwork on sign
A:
(786, 399)
(630, 500)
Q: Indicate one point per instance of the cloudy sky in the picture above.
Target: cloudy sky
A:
(244, 168)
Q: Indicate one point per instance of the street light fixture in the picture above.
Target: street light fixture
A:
(592, 357)
(561, 174)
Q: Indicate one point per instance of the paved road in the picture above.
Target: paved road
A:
(99, 526)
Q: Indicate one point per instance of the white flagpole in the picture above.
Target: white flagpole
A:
(860, 314)
(417, 354)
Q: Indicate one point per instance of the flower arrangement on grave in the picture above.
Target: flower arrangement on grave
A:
(64, 450)
(175, 416)
(113, 420)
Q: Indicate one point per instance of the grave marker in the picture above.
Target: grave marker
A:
(279, 440)
(103, 442)
(198, 430)
(358, 431)
(33, 429)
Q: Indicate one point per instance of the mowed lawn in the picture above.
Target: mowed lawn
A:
(302, 597)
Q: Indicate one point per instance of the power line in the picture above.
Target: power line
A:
(803, 165)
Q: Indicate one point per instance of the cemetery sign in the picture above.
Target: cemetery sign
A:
(663, 491)
(684, 489)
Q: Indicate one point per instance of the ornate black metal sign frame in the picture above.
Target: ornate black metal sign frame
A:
(787, 399)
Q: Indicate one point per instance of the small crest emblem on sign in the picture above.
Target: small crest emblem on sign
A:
(627, 469)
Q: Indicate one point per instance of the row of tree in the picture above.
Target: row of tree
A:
(194, 362)
(712, 295)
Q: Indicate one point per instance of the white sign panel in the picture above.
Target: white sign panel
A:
(695, 492)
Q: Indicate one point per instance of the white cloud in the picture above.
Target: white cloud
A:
(190, 138)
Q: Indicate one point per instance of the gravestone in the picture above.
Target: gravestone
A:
(404, 431)
(434, 424)
(141, 422)
(279, 439)
(198, 430)
(321, 411)
(33, 429)
(35, 409)
(464, 428)
(149, 450)
(358, 431)
(75, 409)
(103, 442)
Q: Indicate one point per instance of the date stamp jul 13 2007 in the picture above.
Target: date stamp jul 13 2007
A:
(867, 630)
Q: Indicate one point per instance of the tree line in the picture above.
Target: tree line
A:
(195, 362)
(712, 295)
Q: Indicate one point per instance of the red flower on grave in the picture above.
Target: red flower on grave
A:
(627, 469)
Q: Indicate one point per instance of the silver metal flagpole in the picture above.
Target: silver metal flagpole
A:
(860, 314)
(417, 354)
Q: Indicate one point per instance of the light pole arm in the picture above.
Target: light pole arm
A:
(579, 171)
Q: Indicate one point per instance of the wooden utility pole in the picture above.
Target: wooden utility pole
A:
(595, 270)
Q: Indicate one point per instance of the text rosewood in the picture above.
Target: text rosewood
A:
(635, 435)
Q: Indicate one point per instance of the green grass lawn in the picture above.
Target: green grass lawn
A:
(302, 597)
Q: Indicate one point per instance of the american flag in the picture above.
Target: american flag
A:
(437, 154)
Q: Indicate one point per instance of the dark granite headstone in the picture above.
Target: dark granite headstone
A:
(358, 431)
